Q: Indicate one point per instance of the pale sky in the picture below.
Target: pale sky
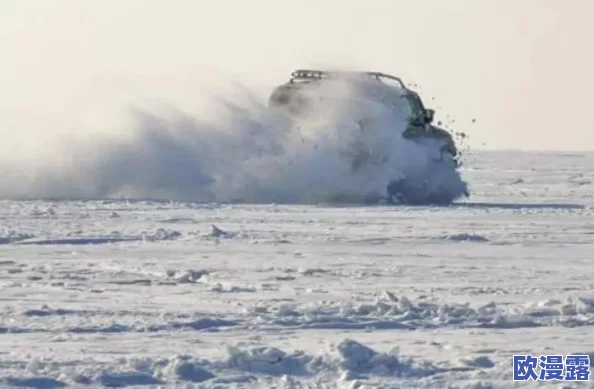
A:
(522, 68)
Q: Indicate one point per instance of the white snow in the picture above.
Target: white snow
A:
(241, 150)
(179, 295)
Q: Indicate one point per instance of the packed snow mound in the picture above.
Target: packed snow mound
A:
(244, 151)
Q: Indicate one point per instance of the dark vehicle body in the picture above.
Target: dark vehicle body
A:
(300, 99)
(294, 98)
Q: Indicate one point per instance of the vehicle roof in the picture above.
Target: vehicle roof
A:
(310, 74)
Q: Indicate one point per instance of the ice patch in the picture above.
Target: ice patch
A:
(47, 311)
(188, 276)
(144, 372)
(74, 321)
(268, 360)
(393, 312)
(228, 288)
(357, 358)
(480, 361)
(203, 324)
(79, 241)
(34, 382)
(312, 271)
(112, 328)
(464, 238)
(11, 236)
(123, 379)
(49, 211)
(187, 369)
(216, 232)
(347, 361)
(160, 234)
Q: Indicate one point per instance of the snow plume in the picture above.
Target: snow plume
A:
(348, 149)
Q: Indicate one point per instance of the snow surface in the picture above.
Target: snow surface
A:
(182, 295)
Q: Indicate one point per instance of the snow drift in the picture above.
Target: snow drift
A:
(240, 150)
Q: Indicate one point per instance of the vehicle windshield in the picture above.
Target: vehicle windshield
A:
(416, 106)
